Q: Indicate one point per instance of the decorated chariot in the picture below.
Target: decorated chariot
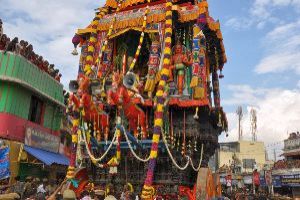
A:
(145, 106)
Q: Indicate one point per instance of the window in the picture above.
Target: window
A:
(249, 163)
(35, 110)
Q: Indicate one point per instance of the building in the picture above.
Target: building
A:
(287, 171)
(242, 156)
(31, 108)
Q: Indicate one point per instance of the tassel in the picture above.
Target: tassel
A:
(220, 121)
(196, 113)
(74, 52)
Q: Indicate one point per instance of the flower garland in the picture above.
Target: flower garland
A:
(147, 191)
(89, 60)
(138, 50)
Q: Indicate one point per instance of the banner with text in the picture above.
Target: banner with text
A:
(4, 163)
(38, 139)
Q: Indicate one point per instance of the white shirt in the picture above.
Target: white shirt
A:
(41, 189)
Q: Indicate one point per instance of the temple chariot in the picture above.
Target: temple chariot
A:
(145, 106)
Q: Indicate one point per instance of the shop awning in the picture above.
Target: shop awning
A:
(47, 157)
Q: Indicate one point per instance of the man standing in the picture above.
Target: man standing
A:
(18, 187)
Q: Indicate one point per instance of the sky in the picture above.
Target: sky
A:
(262, 42)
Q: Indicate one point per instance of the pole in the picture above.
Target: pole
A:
(274, 155)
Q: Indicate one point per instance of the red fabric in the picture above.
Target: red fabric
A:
(256, 180)
(134, 114)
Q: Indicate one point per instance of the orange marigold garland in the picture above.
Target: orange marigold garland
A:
(148, 190)
(89, 60)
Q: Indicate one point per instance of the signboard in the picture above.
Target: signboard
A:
(276, 181)
(249, 163)
(38, 139)
(4, 163)
(290, 180)
(262, 181)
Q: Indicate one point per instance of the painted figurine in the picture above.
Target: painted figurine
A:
(153, 66)
(119, 95)
(92, 112)
(180, 62)
(198, 82)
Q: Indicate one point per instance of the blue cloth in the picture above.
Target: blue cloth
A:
(47, 157)
(4, 163)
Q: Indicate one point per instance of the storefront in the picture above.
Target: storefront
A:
(40, 156)
(286, 182)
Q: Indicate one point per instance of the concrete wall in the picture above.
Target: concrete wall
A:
(244, 150)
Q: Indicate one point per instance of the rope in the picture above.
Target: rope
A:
(172, 158)
(131, 149)
(200, 162)
(106, 152)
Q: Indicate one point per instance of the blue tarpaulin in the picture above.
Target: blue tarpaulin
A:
(47, 157)
(4, 163)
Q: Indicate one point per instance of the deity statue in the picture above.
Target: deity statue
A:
(119, 95)
(180, 61)
(153, 67)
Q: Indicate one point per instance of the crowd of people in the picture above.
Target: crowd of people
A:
(31, 188)
(25, 49)
(286, 164)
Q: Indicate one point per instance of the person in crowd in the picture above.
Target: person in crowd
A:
(54, 73)
(1, 27)
(111, 193)
(34, 58)
(3, 39)
(69, 195)
(85, 195)
(28, 51)
(41, 187)
(51, 69)
(21, 48)
(57, 77)
(51, 187)
(40, 62)
(18, 187)
(12, 45)
(29, 188)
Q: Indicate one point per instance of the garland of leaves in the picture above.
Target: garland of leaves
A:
(148, 190)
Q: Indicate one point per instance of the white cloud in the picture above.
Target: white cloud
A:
(49, 26)
(262, 12)
(282, 46)
(239, 23)
(277, 113)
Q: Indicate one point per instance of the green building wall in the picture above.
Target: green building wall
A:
(15, 98)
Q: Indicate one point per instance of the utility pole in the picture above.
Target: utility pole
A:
(239, 113)
(274, 155)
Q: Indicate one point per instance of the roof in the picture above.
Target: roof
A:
(47, 157)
